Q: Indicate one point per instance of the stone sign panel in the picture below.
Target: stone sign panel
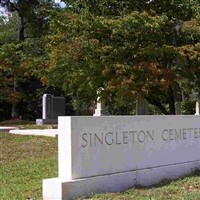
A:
(95, 152)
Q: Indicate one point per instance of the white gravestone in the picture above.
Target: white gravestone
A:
(197, 108)
(114, 153)
(100, 108)
(46, 106)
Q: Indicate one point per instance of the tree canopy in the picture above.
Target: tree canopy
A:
(21, 42)
(130, 48)
(146, 47)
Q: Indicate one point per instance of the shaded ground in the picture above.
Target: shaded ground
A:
(24, 124)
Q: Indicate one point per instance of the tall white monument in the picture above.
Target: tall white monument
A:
(100, 108)
(197, 108)
(198, 105)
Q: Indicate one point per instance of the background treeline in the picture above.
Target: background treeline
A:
(130, 48)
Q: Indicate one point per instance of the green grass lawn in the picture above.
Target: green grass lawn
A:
(27, 160)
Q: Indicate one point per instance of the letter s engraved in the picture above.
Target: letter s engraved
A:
(84, 137)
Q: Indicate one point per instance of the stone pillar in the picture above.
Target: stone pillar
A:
(178, 108)
(142, 106)
(100, 107)
(198, 104)
(46, 106)
(197, 107)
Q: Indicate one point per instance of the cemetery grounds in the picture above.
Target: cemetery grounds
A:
(27, 160)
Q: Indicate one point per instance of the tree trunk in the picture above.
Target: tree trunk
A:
(21, 29)
(14, 111)
(172, 109)
(158, 105)
(21, 38)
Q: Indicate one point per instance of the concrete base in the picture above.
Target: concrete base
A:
(63, 189)
(40, 132)
(6, 129)
(46, 121)
(98, 113)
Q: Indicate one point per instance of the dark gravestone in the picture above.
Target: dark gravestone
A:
(58, 107)
(142, 106)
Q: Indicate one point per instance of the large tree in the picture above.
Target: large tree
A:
(149, 48)
(22, 37)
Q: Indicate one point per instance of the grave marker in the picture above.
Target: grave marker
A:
(197, 108)
(142, 106)
(100, 107)
(52, 107)
(178, 108)
(198, 104)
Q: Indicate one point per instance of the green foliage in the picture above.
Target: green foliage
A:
(173, 9)
(127, 47)
(9, 54)
(21, 52)
(151, 52)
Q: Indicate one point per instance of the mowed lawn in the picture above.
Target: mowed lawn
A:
(27, 160)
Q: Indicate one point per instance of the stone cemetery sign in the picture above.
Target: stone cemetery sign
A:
(114, 153)
(52, 107)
